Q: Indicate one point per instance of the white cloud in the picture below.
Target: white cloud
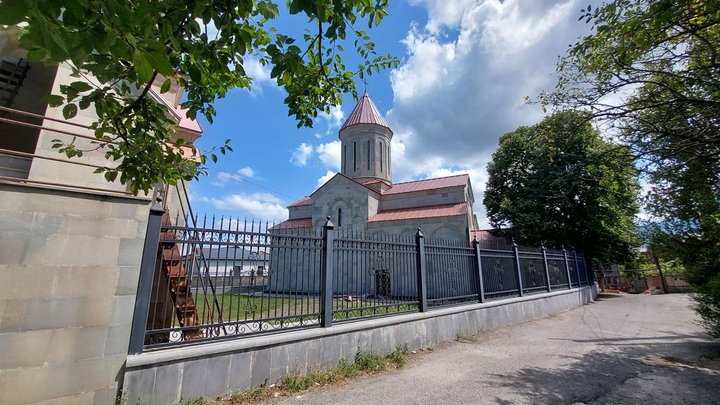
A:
(263, 206)
(322, 180)
(301, 154)
(224, 177)
(259, 73)
(246, 171)
(329, 154)
(336, 116)
(443, 13)
(464, 80)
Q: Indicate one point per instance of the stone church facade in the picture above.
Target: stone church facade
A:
(363, 199)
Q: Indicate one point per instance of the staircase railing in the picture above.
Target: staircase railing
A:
(199, 252)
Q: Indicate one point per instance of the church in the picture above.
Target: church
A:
(363, 199)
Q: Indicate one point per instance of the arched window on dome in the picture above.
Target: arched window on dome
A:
(381, 156)
(369, 148)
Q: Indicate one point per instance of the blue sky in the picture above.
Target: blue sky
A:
(466, 66)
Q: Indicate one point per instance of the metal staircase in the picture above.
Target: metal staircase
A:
(182, 272)
(12, 75)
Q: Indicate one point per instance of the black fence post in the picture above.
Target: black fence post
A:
(519, 269)
(145, 281)
(421, 270)
(326, 272)
(567, 267)
(577, 267)
(546, 268)
(478, 258)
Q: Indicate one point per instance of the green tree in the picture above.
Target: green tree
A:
(117, 48)
(559, 183)
(651, 70)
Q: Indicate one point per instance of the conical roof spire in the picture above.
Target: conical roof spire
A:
(365, 112)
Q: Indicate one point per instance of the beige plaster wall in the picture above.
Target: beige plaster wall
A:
(69, 265)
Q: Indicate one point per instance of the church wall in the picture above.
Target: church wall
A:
(304, 211)
(351, 198)
(373, 205)
(453, 228)
(435, 229)
(423, 198)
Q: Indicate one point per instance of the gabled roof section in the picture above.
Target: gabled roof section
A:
(365, 112)
(179, 113)
(187, 123)
(428, 184)
(340, 177)
(307, 200)
(447, 210)
(296, 223)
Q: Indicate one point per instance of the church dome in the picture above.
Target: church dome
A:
(365, 112)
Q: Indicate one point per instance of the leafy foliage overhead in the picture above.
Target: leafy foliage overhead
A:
(118, 48)
(559, 183)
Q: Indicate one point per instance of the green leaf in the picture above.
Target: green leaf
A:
(69, 111)
(54, 100)
(13, 12)
(110, 176)
(81, 86)
(165, 86)
(160, 63)
(142, 66)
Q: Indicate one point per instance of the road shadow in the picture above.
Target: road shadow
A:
(662, 370)
(607, 296)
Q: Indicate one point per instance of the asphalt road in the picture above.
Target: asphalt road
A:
(626, 349)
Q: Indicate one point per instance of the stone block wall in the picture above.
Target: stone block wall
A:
(69, 265)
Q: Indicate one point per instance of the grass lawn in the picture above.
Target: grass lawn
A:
(240, 307)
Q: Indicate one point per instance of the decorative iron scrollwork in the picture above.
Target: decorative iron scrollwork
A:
(453, 272)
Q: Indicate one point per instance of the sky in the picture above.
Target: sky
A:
(465, 69)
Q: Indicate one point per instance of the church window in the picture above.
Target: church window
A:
(368, 154)
(344, 159)
(339, 216)
(381, 158)
(354, 156)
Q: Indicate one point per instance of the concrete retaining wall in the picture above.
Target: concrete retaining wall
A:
(208, 370)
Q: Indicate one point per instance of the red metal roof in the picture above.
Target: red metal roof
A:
(428, 184)
(293, 224)
(181, 113)
(365, 112)
(303, 201)
(187, 123)
(446, 210)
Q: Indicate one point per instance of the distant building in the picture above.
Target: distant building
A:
(362, 197)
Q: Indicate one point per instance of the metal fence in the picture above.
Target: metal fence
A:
(215, 279)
